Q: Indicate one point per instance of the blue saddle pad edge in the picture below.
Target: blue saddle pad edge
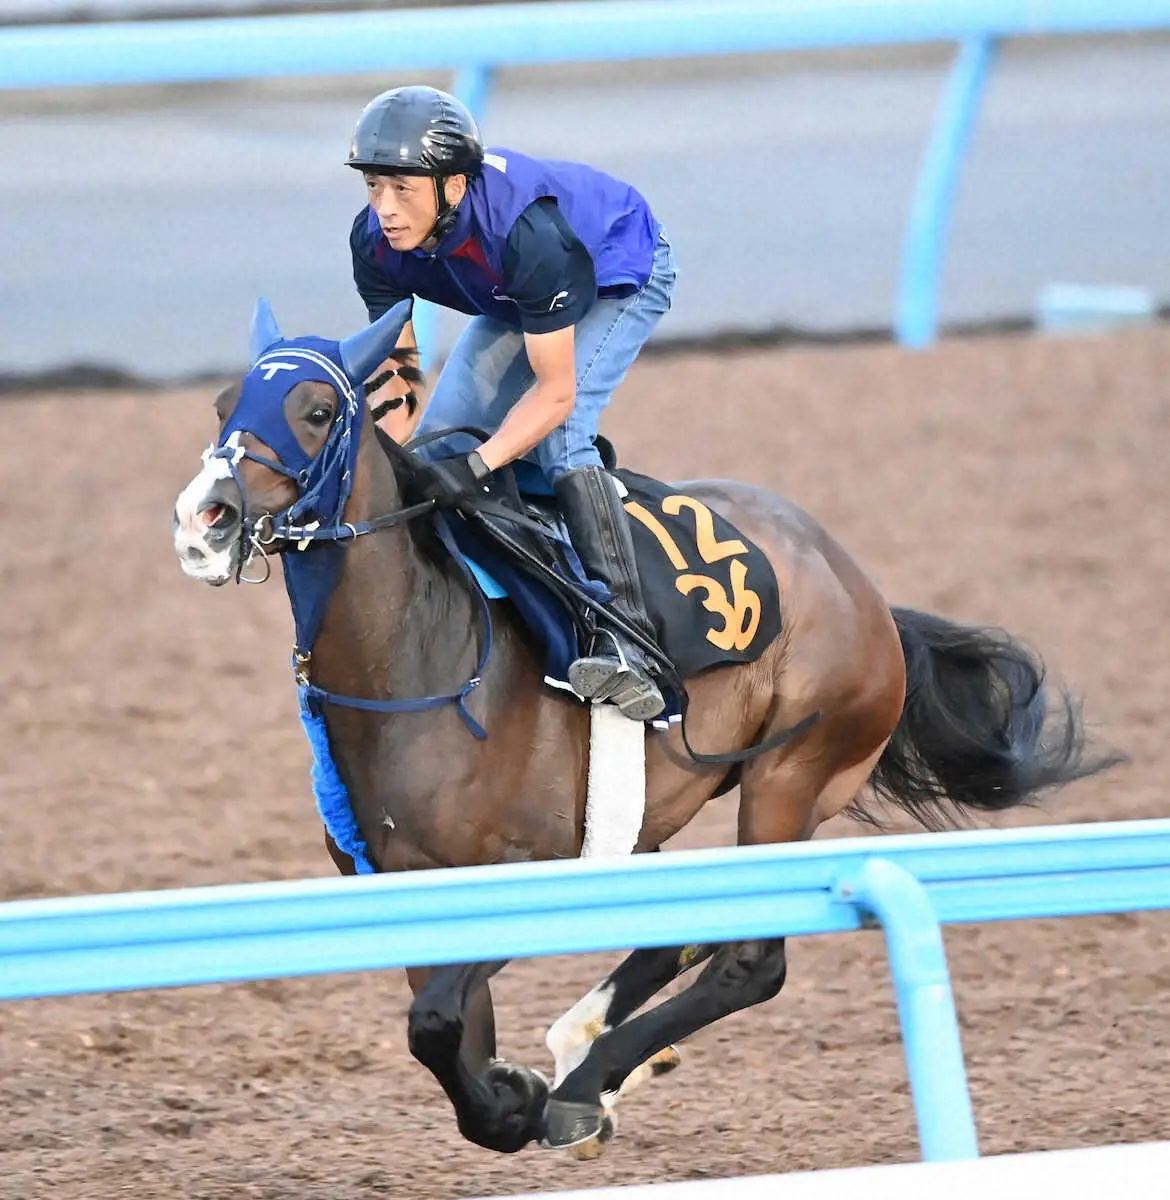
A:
(553, 629)
(488, 583)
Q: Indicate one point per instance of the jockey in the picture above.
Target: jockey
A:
(565, 272)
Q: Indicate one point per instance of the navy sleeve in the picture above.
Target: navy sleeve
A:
(376, 289)
(547, 269)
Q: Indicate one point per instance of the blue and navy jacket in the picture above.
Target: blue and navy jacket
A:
(465, 271)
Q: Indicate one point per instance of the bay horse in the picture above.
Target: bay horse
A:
(937, 718)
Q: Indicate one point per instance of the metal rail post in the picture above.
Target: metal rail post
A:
(924, 250)
(930, 1028)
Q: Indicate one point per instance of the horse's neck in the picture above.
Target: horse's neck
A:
(399, 621)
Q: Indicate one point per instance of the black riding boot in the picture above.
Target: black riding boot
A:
(615, 669)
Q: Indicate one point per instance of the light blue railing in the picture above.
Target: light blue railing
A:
(473, 40)
(910, 885)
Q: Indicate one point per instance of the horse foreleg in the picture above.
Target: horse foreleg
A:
(739, 975)
(451, 1031)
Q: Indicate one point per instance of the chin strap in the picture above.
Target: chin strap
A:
(446, 218)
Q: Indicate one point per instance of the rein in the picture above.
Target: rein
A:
(481, 508)
(270, 528)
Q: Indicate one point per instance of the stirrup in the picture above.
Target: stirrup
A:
(592, 674)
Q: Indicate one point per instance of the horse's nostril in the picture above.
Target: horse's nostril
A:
(218, 516)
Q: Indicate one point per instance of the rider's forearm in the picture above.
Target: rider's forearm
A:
(529, 422)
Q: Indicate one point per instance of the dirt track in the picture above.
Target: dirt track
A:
(148, 738)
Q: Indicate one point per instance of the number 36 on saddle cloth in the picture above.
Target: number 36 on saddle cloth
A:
(710, 592)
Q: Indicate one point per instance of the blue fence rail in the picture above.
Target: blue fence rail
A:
(908, 885)
(474, 40)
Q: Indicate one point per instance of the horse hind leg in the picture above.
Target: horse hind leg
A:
(638, 977)
(739, 974)
(784, 796)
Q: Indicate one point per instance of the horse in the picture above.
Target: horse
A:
(938, 719)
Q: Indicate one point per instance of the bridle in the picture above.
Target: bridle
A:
(332, 463)
(325, 484)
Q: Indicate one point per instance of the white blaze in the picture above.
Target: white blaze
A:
(196, 556)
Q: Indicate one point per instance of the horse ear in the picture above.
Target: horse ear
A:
(265, 332)
(361, 352)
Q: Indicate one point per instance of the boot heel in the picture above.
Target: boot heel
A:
(642, 701)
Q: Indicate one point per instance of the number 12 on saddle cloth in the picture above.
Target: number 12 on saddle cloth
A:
(711, 593)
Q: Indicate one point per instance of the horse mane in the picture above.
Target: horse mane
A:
(421, 532)
(407, 370)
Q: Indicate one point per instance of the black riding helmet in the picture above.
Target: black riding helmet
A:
(418, 131)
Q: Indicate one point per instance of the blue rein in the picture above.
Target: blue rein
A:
(421, 703)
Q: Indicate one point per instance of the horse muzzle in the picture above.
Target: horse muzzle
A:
(207, 527)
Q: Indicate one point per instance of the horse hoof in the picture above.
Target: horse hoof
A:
(569, 1122)
(594, 1148)
(514, 1115)
(526, 1088)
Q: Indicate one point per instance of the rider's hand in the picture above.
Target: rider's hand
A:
(450, 481)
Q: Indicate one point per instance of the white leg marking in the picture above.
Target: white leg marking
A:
(569, 1037)
(656, 1064)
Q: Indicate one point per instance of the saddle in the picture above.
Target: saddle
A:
(710, 592)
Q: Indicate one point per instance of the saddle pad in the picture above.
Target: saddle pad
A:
(711, 593)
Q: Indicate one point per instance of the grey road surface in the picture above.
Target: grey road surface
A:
(137, 227)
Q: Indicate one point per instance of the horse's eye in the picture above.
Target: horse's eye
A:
(321, 415)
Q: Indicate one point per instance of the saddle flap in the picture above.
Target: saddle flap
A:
(710, 592)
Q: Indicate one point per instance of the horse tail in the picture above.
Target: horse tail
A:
(980, 729)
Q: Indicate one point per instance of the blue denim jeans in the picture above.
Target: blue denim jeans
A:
(488, 372)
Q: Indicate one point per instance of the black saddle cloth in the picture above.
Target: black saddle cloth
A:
(710, 592)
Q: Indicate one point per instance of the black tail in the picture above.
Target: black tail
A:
(979, 730)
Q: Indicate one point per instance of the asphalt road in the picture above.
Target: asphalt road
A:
(137, 228)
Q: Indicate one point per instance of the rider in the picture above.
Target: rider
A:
(566, 272)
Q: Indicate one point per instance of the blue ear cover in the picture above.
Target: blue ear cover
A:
(265, 331)
(361, 352)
